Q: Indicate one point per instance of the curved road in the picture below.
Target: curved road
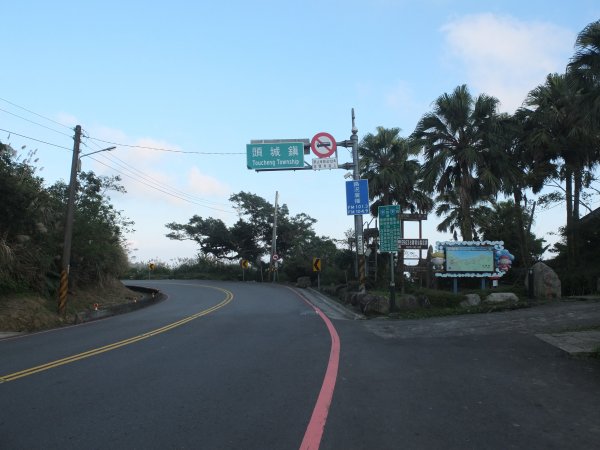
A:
(255, 366)
(224, 365)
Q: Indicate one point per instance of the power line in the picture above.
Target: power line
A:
(138, 173)
(101, 140)
(147, 177)
(36, 114)
(159, 189)
(34, 139)
(158, 149)
(35, 123)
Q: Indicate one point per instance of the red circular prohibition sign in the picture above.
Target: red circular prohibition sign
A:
(323, 145)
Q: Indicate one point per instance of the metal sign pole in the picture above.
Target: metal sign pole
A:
(392, 284)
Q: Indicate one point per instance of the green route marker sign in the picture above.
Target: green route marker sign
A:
(281, 155)
(389, 228)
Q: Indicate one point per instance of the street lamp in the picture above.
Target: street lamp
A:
(66, 256)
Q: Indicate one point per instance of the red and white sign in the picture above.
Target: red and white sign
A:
(323, 145)
(275, 257)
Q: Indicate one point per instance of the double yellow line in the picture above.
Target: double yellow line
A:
(107, 348)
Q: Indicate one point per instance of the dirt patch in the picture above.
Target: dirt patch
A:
(32, 312)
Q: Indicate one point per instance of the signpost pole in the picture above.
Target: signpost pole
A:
(392, 284)
(401, 260)
(274, 240)
(358, 220)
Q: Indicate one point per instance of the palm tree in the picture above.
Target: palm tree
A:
(456, 138)
(561, 133)
(521, 173)
(448, 205)
(392, 175)
(586, 60)
(584, 68)
(384, 161)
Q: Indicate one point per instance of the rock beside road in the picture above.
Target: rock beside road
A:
(471, 300)
(546, 284)
(501, 297)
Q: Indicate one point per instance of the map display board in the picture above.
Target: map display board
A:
(470, 259)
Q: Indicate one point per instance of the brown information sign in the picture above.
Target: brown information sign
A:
(406, 216)
(419, 244)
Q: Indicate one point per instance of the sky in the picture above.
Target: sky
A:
(203, 79)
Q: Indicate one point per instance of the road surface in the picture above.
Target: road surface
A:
(255, 366)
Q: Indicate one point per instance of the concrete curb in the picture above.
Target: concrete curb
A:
(10, 334)
(151, 296)
(576, 343)
(330, 307)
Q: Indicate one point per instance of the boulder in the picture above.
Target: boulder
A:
(501, 297)
(373, 303)
(546, 284)
(407, 302)
(303, 282)
(471, 300)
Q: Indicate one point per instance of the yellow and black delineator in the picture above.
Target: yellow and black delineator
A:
(316, 264)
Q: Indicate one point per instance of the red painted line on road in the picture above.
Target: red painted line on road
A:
(316, 426)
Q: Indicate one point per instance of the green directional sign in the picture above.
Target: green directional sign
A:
(281, 155)
(389, 228)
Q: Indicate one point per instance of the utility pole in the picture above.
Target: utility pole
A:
(66, 256)
(358, 219)
(274, 240)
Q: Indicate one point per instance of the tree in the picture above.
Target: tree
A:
(98, 247)
(392, 175)
(448, 205)
(456, 138)
(251, 236)
(28, 223)
(212, 235)
(31, 227)
(561, 132)
(521, 172)
(501, 223)
(586, 60)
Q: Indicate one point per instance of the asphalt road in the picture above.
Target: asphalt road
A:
(246, 366)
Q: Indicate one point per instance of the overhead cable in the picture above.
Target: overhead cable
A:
(158, 149)
(37, 140)
(36, 114)
(159, 189)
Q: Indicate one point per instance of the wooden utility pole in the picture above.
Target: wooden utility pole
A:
(66, 256)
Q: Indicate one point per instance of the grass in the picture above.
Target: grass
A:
(33, 312)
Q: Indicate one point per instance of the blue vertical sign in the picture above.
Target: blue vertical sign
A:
(357, 197)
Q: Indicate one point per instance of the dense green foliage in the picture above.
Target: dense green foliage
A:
(32, 228)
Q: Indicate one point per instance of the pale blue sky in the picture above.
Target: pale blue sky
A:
(210, 76)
